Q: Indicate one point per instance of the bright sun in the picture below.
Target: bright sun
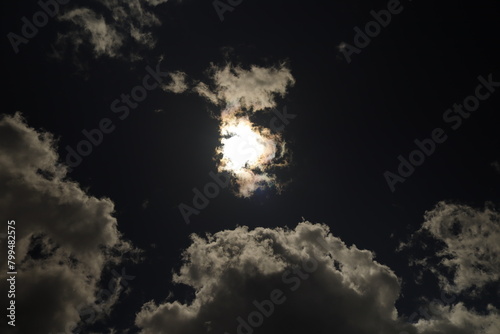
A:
(248, 152)
(242, 146)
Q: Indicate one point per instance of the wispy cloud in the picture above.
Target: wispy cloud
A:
(104, 38)
(111, 28)
(178, 83)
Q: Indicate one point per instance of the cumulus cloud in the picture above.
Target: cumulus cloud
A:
(468, 251)
(116, 28)
(319, 282)
(281, 280)
(65, 237)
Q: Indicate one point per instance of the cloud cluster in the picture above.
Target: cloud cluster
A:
(274, 280)
(64, 236)
(265, 280)
(249, 152)
(326, 286)
(113, 28)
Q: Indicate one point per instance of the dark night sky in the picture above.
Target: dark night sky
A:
(352, 122)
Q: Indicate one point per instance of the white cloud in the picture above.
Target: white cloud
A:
(328, 287)
(253, 89)
(64, 236)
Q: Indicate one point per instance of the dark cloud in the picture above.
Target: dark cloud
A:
(64, 236)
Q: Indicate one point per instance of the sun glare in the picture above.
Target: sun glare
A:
(250, 153)
(242, 146)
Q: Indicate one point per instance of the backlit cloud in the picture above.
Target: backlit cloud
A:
(252, 89)
(248, 151)
(324, 286)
